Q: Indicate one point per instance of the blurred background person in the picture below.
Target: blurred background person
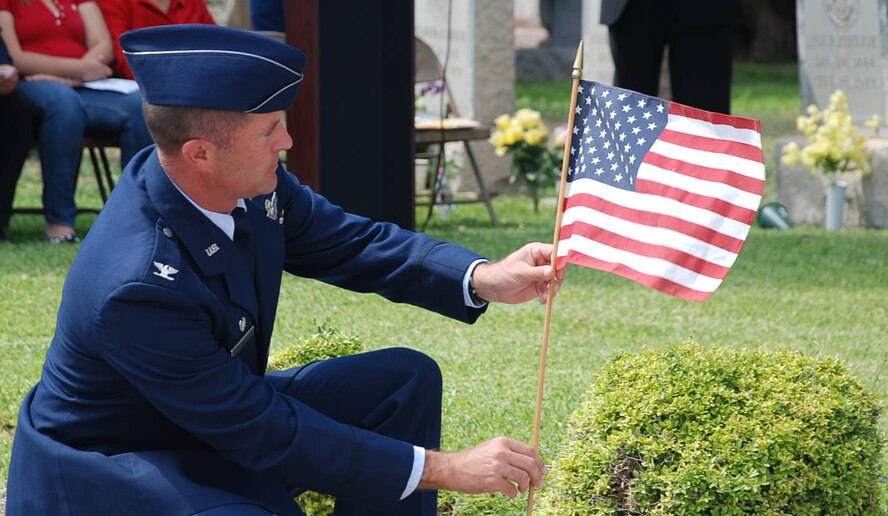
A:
(16, 132)
(124, 15)
(57, 45)
(700, 38)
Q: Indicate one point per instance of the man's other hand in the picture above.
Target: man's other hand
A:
(500, 465)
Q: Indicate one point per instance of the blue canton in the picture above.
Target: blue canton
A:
(613, 130)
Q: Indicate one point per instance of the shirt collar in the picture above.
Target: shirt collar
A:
(223, 221)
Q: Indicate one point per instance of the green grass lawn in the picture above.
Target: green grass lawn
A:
(805, 289)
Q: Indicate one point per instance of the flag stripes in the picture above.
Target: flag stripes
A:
(678, 220)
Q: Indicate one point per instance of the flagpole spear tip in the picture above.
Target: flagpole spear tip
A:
(578, 63)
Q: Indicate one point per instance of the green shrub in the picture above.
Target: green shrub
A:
(695, 431)
(324, 343)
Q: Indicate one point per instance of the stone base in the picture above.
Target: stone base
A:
(804, 194)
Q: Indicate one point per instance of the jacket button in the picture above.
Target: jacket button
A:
(168, 232)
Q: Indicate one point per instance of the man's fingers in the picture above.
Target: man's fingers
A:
(520, 478)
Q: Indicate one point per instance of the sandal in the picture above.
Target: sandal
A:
(70, 238)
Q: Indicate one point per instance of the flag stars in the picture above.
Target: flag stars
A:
(588, 139)
(618, 178)
(613, 114)
(631, 119)
(642, 103)
(632, 159)
(595, 160)
(652, 126)
(594, 113)
(641, 141)
(605, 93)
(659, 108)
(646, 115)
(610, 156)
(599, 171)
(608, 104)
(588, 101)
(607, 145)
(614, 166)
(622, 136)
(621, 97)
(577, 110)
(636, 130)
(627, 108)
(598, 123)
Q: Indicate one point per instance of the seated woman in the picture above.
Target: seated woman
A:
(57, 45)
(124, 15)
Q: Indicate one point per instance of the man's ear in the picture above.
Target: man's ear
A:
(199, 153)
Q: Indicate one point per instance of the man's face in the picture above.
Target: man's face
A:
(247, 167)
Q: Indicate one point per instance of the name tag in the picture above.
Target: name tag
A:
(243, 341)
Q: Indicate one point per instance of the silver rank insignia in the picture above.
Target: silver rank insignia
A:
(242, 324)
(213, 249)
(165, 271)
(271, 206)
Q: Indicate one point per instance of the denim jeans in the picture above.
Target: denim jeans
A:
(68, 115)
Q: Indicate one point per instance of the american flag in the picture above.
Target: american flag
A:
(658, 192)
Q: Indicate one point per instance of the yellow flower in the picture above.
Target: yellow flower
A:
(528, 118)
(498, 139)
(834, 144)
(791, 154)
(500, 151)
(503, 122)
(874, 122)
(534, 136)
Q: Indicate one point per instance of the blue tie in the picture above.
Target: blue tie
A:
(243, 238)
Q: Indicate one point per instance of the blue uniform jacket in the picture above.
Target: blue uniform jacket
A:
(141, 407)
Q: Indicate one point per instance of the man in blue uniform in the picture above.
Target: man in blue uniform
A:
(154, 397)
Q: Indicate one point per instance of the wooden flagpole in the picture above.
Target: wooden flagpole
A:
(576, 74)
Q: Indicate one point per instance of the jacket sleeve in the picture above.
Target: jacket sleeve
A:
(161, 341)
(324, 242)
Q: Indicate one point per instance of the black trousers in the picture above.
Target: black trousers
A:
(18, 117)
(700, 54)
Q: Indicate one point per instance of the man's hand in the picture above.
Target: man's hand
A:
(519, 277)
(495, 466)
(8, 79)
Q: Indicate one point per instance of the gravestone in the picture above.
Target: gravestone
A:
(480, 70)
(843, 45)
(598, 64)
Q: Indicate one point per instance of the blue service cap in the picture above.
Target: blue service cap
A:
(213, 67)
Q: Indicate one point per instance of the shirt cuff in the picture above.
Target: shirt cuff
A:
(467, 296)
(416, 472)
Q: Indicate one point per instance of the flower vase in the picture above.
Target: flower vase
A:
(835, 205)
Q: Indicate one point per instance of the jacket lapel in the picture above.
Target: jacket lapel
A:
(210, 248)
